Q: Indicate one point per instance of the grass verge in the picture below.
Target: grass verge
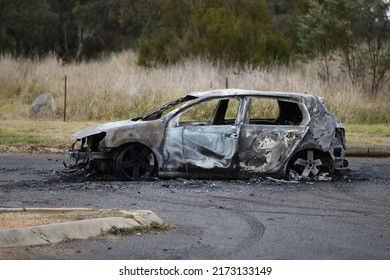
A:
(374, 135)
(30, 135)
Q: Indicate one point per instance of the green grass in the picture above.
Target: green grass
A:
(159, 227)
(368, 134)
(38, 133)
(27, 137)
(120, 231)
(370, 129)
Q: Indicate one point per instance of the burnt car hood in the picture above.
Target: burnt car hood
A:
(106, 127)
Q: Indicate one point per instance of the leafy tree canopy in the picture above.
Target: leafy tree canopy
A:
(231, 31)
(359, 30)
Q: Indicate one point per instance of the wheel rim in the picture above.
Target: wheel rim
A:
(308, 166)
(135, 161)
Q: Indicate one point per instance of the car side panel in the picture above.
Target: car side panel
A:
(212, 147)
(265, 149)
(173, 154)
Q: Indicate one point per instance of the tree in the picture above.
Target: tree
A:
(27, 27)
(230, 31)
(284, 15)
(373, 34)
(316, 34)
(359, 29)
(109, 25)
(73, 29)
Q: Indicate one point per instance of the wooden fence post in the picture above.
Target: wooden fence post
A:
(65, 98)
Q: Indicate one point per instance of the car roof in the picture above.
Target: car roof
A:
(243, 92)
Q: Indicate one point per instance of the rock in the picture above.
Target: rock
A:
(44, 105)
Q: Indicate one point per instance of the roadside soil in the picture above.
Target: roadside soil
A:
(30, 218)
(30, 149)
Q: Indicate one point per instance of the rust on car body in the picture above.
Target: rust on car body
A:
(231, 133)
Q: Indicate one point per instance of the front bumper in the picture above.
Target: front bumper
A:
(80, 155)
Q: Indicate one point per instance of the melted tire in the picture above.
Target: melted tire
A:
(135, 162)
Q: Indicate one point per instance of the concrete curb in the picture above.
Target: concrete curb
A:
(366, 151)
(82, 229)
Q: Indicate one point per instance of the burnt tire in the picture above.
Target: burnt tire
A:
(134, 162)
(305, 165)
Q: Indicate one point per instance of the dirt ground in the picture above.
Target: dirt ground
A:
(27, 219)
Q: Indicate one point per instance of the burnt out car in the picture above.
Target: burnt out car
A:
(229, 133)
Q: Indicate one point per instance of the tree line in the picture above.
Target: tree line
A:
(73, 30)
(231, 32)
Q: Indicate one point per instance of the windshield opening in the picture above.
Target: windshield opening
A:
(165, 109)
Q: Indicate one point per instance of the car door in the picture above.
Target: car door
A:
(208, 133)
(271, 132)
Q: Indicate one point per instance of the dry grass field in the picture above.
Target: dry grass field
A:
(117, 88)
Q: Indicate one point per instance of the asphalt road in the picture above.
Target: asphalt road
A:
(346, 218)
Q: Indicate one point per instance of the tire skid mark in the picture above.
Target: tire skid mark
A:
(256, 232)
(253, 236)
(297, 210)
(197, 202)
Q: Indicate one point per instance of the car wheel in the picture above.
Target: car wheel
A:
(305, 166)
(135, 161)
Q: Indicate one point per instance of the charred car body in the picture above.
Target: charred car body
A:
(230, 133)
